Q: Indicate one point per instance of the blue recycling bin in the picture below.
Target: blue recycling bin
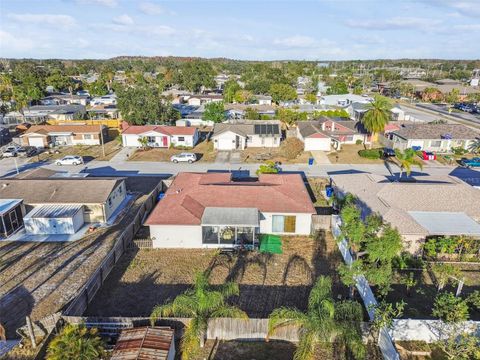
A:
(310, 161)
(160, 196)
(329, 191)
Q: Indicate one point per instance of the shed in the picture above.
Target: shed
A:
(152, 343)
(54, 219)
(11, 216)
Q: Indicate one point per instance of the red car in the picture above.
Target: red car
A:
(427, 155)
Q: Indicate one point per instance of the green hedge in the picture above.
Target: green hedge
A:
(371, 153)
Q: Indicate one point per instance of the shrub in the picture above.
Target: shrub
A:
(76, 342)
(459, 150)
(450, 308)
(371, 153)
(291, 148)
(359, 142)
(268, 168)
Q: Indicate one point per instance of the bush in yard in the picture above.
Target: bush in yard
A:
(450, 308)
(474, 299)
(291, 148)
(268, 168)
(459, 150)
(370, 153)
(76, 342)
(359, 142)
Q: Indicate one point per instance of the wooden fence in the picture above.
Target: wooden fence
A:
(110, 123)
(85, 295)
(321, 222)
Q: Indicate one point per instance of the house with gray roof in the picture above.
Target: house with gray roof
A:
(433, 137)
(240, 134)
(437, 206)
(329, 133)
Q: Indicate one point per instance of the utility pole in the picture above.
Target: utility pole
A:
(101, 139)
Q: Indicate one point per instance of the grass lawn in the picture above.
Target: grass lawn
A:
(143, 279)
(258, 155)
(88, 152)
(278, 350)
(348, 154)
(420, 301)
(204, 151)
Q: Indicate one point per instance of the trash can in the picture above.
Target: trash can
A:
(329, 191)
(160, 196)
(310, 161)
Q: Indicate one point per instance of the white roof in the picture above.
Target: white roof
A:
(446, 223)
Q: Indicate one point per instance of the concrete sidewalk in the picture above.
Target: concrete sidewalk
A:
(123, 154)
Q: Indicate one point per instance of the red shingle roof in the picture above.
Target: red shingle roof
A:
(190, 193)
(162, 129)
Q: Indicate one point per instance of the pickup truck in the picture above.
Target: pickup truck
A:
(469, 163)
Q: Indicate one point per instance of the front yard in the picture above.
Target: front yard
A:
(88, 152)
(151, 276)
(204, 151)
(258, 155)
(348, 154)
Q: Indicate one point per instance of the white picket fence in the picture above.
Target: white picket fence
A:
(385, 341)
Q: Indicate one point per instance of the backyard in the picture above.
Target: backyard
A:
(142, 279)
(88, 152)
(204, 151)
(38, 279)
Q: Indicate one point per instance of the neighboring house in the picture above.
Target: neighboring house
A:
(264, 99)
(238, 135)
(160, 136)
(403, 113)
(152, 343)
(432, 207)
(237, 111)
(110, 99)
(40, 113)
(342, 100)
(433, 137)
(203, 210)
(62, 99)
(42, 136)
(197, 100)
(61, 206)
(194, 122)
(328, 134)
(103, 112)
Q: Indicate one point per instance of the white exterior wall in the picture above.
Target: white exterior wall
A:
(132, 139)
(115, 199)
(189, 140)
(256, 141)
(176, 236)
(322, 144)
(69, 225)
(92, 141)
(303, 223)
(221, 142)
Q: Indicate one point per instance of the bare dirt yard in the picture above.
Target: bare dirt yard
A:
(257, 155)
(88, 152)
(204, 151)
(143, 279)
(38, 279)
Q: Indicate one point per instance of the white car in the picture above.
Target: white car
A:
(184, 157)
(10, 152)
(69, 160)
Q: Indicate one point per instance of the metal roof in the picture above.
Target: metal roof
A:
(145, 343)
(8, 204)
(230, 216)
(446, 223)
(54, 211)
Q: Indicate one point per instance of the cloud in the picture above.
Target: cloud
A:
(297, 41)
(470, 8)
(15, 43)
(124, 20)
(107, 3)
(64, 21)
(396, 23)
(468, 27)
(149, 8)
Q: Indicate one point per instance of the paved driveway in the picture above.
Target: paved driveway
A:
(229, 157)
(222, 157)
(320, 157)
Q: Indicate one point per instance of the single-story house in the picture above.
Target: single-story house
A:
(160, 135)
(96, 198)
(342, 100)
(203, 210)
(58, 135)
(264, 99)
(327, 133)
(433, 137)
(436, 206)
(110, 99)
(238, 135)
(40, 113)
(237, 111)
(148, 342)
(62, 99)
(197, 100)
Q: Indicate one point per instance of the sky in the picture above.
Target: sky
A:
(241, 29)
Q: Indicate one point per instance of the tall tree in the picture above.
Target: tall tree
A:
(215, 111)
(407, 159)
(229, 90)
(201, 303)
(377, 116)
(282, 92)
(325, 321)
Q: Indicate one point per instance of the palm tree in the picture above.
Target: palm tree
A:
(76, 342)
(377, 116)
(407, 159)
(324, 321)
(474, 147)
(201, 303)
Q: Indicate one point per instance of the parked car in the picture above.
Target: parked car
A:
(428, 155)
(10, 151)
(388, 152)
(474, 162)
(27, 151)
(69, 160)
(184, 157)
